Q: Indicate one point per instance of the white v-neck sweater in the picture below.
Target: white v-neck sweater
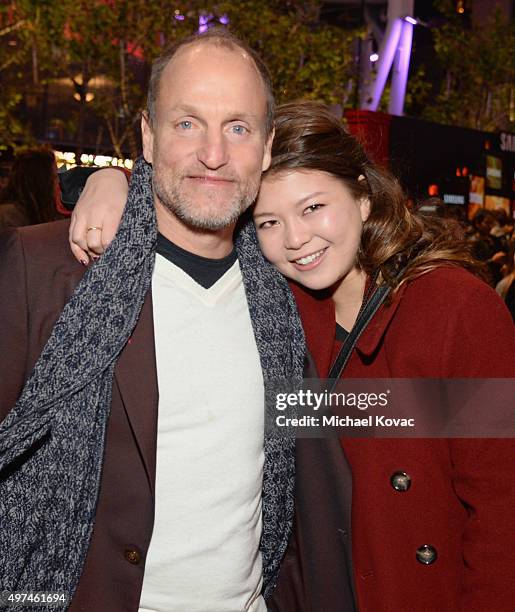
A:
(204, 553)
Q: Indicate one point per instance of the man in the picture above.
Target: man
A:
(180, 529)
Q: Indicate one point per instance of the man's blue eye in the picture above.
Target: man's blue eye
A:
(239, 129)
(185, 125)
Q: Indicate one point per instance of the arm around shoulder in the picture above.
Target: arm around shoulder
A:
(97, 215)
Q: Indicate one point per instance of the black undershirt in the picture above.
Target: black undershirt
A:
(341, 333)
(206, 271)
(202, 270)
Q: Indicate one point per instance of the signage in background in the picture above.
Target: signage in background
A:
(454, 198)
(455, 194)
(493, 172)
(428, 207)
(476, 195)
(497, 203)
(507, 142)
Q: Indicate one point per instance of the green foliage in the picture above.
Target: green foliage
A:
(103, 47)
(418, 92)
(306, 60)
(13, 52)
(479, 66)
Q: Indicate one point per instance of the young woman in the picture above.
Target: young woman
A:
(429, 516)
(386, 525)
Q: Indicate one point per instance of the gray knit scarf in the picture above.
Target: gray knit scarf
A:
(52, 442)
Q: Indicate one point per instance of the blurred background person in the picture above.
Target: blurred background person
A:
(488, 247)
(503, 228)
(5, 170)
(31, 194)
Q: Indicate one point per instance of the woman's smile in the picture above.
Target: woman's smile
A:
(308, 262)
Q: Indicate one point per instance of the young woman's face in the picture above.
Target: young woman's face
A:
(309, 226)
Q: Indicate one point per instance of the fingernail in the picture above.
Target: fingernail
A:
(95, 257)
(83, 262)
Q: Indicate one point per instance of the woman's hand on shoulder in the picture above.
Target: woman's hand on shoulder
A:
(97, 215)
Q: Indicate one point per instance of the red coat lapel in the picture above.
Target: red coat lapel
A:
(318, 321)
(377, 327)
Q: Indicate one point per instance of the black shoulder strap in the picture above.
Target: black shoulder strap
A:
(365, 315)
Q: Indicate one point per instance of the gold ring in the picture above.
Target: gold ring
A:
(93, 227)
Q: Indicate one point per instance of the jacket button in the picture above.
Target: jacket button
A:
(132, 556)
(400, 481)
(426, 554)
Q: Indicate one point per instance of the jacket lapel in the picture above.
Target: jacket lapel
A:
(136, 377)
(371, 337)
(318, 319)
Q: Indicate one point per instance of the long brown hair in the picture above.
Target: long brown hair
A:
(308, 136)
(31, 185)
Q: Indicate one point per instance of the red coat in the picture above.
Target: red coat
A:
(462, 495)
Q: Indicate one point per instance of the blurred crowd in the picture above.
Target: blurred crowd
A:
(29, 194)
(491, 234)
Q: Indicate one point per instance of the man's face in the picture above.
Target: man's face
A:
(208, 145)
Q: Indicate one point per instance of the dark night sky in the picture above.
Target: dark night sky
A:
(424, 10)
(349, 14)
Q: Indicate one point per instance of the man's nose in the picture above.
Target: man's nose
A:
(213, 151)
(297, 235)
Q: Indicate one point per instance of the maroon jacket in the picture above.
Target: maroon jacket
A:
(444, 324)
(37, 276)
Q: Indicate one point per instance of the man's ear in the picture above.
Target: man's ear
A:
(267, 157)
(147, 136)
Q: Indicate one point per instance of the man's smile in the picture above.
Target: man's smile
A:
(211, 181)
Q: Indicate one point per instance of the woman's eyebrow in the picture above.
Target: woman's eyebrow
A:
(299, 203)
(308, 197)
(264, 214)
